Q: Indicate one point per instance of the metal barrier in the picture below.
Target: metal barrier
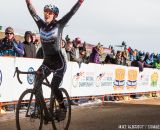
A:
(2, 104)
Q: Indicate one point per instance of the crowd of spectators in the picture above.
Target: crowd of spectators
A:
(133, 57)
(75, 50)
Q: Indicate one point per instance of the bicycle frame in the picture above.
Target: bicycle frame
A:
(37, 91)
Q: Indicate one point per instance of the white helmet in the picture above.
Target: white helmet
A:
(53, 8)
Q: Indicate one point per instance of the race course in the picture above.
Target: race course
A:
(126, 115)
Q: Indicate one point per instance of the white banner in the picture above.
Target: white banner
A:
(89, 80)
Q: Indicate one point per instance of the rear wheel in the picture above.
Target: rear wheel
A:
(64, 124)
(29, 112)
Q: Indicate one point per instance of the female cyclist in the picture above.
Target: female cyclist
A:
(51, 34)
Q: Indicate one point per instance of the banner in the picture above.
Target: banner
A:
(88, 80)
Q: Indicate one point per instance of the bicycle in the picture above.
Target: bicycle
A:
(30, 110)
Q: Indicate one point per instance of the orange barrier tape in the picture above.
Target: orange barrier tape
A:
(0, 107)
(85, 97)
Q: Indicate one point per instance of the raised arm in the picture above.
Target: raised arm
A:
(19, 48)
(68, 16)
(33, 13)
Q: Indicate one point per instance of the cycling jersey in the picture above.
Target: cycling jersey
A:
(51, 34)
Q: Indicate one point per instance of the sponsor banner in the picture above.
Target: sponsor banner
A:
(104, 79)
(88, 80)
(83, 79)
(119, 79)
(132, 80)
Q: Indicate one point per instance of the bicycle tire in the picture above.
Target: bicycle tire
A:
(62, 125)
(28, 115)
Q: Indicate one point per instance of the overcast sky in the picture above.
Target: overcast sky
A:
(137, 22)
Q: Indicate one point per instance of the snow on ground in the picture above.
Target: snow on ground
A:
(9, 115)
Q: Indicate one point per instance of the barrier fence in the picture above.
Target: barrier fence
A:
(103, 98)
(89, 80)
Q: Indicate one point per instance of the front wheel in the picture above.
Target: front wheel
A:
(29, 112)
(64, 124)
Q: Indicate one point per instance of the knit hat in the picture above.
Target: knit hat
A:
(28, 33)
(9, 30)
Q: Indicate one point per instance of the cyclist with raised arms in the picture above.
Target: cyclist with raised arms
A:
(51, 34)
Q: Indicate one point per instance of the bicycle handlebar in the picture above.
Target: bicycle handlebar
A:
(21, 72)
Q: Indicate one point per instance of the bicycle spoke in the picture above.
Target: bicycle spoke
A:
(64, 124)
(28, 113)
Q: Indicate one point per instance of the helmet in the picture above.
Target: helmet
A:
(53, 8)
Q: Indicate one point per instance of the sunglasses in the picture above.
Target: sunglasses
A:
(8, 33)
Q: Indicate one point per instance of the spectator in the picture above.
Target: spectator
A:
(67, 38)
(84, 46)
(112, 50)
(71, 53)
(39, 50)
(37, 44)
(155, 57)
(148, 59)
(34, 37)
(156, 64)
(151, 57)
(76, 45)
(140, 63)
(109, 59)
(125, 57)
(100, 49)
(95, 54)
(29, 48)
(69, 46)
(135, 55)
(118, 58)
(9, 46)
(83, 55)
